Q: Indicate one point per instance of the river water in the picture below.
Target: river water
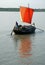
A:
(21, 49)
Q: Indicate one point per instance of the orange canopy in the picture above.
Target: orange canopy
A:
(26, 14)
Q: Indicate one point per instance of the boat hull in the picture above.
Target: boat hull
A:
(28, 30)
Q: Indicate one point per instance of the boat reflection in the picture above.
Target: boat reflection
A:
(23, 49)
(25, 46)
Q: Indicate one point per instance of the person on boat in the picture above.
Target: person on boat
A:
(33, 24)
(19, 27)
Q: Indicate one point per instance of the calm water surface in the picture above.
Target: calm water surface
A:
(21, 49)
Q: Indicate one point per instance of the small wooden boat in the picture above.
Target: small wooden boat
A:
(24, 30)
(26, 16)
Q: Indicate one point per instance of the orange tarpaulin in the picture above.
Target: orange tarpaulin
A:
(26, 14)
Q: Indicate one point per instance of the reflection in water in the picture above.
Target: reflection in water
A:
(16, 41)
(25, 46)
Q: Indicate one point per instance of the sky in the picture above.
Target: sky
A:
(18, 3)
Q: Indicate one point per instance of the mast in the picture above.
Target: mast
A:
(28, 11)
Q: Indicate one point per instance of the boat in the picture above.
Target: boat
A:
(26, 16)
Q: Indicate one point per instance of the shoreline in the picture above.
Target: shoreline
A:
(17, 10)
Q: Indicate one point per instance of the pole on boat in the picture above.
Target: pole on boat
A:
(11, 32)
(28, 5)
(40, 29)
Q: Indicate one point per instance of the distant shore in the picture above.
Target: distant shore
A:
(17, 10)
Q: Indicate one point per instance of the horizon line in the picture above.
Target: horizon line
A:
(18, 9)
